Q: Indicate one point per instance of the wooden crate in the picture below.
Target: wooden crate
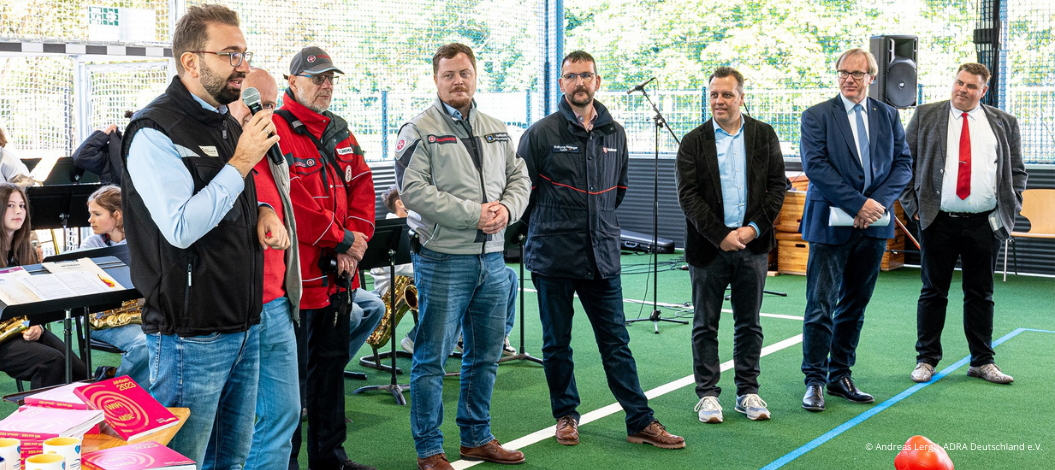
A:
(894, 257)
(790, 214)
(798, 179)
(792, 253)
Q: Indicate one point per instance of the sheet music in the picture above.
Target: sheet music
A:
(65, 284)
(82, 265)
(12, 290)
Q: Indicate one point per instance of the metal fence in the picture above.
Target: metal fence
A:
(684, 110)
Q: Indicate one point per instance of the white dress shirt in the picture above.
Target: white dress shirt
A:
(983, 163)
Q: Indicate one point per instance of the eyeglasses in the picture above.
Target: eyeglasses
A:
(235, 58)
(843, 74)
(585, 76)
(320, 79)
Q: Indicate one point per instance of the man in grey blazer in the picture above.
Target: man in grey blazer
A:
(965, 215)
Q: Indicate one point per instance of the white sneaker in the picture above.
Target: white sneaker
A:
(710, 410)
(752, 406)
(407, 344)
(508, 349)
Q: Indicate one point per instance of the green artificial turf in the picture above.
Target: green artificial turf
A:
(964, 414)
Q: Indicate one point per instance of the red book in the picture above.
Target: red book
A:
(141, 456)
(130, 411)
(59, 397)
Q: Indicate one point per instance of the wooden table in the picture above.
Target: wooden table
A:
(94, 442)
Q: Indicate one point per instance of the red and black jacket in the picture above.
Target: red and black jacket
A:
(332, 192)
(578, 179)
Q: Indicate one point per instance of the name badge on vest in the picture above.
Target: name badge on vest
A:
(209, 150)
(344, 151)
(566, 149)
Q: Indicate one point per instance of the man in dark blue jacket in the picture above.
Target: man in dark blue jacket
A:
(853, 150)
(577, 159)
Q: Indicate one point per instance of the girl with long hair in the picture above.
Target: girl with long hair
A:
(37, 355)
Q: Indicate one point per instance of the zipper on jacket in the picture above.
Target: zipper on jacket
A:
(186, 292)
(480, 172)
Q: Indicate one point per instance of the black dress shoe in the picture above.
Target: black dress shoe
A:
(813, 400)
(845, 388)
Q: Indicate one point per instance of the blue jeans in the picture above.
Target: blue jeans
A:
(366, 314)
(278, 394)
(602, 299)
(133, 342)
(470, 291)
(216, 377)
(511, 310)
(839, 283)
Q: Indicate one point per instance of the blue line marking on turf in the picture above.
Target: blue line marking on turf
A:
(790, 456)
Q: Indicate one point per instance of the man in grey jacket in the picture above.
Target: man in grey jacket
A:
(460, 179)
(966, 189)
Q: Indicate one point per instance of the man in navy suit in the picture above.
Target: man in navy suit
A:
(854, 153)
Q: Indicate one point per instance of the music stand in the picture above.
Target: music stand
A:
(375, 360)
(387, 247)
(62, 309)
(65, 171)
(515, 235)
(59, 206)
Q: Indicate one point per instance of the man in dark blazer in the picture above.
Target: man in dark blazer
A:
(969, 212)
(731, 185)
(853, 151)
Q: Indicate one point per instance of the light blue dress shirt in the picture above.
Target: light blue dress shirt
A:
(155, 165)
(732, 169)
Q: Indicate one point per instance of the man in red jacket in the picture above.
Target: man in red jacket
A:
(333, 203)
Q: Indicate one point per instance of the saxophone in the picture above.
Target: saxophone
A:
(406, 300)
(130, 312)
(12, 327)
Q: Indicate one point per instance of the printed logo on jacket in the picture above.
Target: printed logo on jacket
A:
(442, 139)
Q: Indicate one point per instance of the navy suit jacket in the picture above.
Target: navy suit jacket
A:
(830, 160)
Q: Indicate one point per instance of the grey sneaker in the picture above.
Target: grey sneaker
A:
(407, 344)
(990, 373)
(508, 349)
(923, 372)
(710, 410)
(752, 406)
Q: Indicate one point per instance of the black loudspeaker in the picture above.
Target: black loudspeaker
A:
(895, 83)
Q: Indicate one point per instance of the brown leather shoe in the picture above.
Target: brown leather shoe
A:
(658, 436)
(567, 431)
(434, 462)
(493, 452)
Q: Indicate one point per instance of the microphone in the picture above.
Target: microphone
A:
(251, 98)
(641, 86)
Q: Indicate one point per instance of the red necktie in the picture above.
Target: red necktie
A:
(963, 176)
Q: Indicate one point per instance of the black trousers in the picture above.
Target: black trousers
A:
(745, 271)
(41, 362)
(326, 349)
(947, 239)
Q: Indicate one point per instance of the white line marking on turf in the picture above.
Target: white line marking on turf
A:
(547, 433)
(689, 307)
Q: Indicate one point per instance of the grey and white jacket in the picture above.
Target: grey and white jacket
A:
(446, 168)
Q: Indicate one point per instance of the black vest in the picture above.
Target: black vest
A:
(216, 284)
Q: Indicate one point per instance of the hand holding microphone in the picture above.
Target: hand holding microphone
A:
(251, 97)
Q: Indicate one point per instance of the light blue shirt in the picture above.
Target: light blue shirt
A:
(732, 169)
(852, 116)
(453, 112)
(155, 165)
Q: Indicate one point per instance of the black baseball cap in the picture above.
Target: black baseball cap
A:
(312, 60)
